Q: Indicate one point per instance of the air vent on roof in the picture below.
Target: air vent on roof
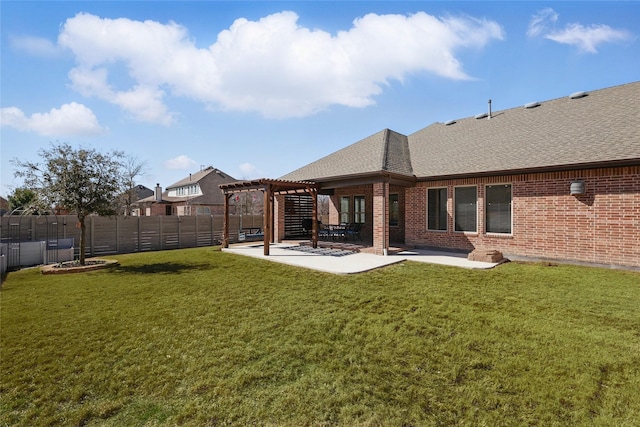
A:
(449, 123)
(481, 115)
(532, 105)
(578, 95)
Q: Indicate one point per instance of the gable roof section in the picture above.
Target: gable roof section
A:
(384, 151)
(602, 127)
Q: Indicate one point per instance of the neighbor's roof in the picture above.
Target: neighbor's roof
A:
(208, 180)
(602, 127)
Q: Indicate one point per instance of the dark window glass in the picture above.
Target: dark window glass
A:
(465, 213)
(437, 209)
(394, 210)
(498, 208)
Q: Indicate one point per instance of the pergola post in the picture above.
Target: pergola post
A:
(267, 219)
(225, 221)
(314, 216)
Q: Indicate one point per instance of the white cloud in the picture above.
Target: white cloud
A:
(271, 66)
(248, 170)
(588, 38)
(541, 21)
(585, 38)
(35, 46)
(69, 120)
(181, 162)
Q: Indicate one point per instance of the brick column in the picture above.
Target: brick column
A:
(380, 213)
(278, 217)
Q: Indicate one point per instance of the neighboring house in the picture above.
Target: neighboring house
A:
(558, 179)
(137, 193)
(197, 194)
(142, 192)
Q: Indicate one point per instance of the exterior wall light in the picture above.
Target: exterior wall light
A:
(577, 188)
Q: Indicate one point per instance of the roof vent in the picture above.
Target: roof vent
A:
(532, 105)
(449, 123)
(481, 115)
(578, 95)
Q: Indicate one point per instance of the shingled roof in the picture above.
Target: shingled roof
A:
(384, 151)
(208, 179)
(599, 127)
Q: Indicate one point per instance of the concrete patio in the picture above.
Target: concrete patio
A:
(340, 261)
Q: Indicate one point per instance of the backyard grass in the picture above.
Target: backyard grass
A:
(206, 338)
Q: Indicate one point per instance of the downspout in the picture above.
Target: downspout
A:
(385, 181)
(385, 249)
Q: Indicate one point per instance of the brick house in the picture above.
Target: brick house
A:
(197, 194)
(558, 179)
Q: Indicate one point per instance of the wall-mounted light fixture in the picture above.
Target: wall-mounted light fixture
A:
(577, 188)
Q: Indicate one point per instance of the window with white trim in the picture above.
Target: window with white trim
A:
(465, 215)
(437, 209)
(498, 208)
(345, 214)
(358, 209)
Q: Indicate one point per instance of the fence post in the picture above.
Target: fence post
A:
(196, 228)
(33, 228)
(91, 233)
(138, 245)
(161, 232)
(117, 236)
(179, 232)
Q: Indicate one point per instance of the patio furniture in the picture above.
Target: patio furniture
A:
(332, 231)
(353, 231)
(250, 234)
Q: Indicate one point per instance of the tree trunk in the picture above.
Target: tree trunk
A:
(83, 229)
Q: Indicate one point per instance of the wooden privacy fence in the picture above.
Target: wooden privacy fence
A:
(124, 234)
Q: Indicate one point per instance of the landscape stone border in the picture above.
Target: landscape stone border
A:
(68, 267)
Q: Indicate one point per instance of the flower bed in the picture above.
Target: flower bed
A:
(75, 267)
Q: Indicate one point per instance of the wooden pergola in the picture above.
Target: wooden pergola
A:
(270, 188)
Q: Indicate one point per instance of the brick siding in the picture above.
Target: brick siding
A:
(601, 226)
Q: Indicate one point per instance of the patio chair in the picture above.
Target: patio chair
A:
(354, 231)
(323, 231)
(307, 225)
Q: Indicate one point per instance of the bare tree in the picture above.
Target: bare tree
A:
(81, 181)
(132, 169)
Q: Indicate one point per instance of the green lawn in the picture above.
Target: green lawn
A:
(201, 337)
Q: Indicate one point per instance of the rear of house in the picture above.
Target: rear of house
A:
(558, 179)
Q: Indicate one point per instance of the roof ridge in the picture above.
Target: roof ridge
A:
(385, 149)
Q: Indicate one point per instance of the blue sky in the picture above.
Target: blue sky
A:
(258, 89)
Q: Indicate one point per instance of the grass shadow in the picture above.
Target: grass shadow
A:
(161, 267)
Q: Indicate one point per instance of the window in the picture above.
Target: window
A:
(203, 210)
(465, 209)
(345, 216)
(358, 209)
(437, 208)
(498, 208)
(394, 210)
